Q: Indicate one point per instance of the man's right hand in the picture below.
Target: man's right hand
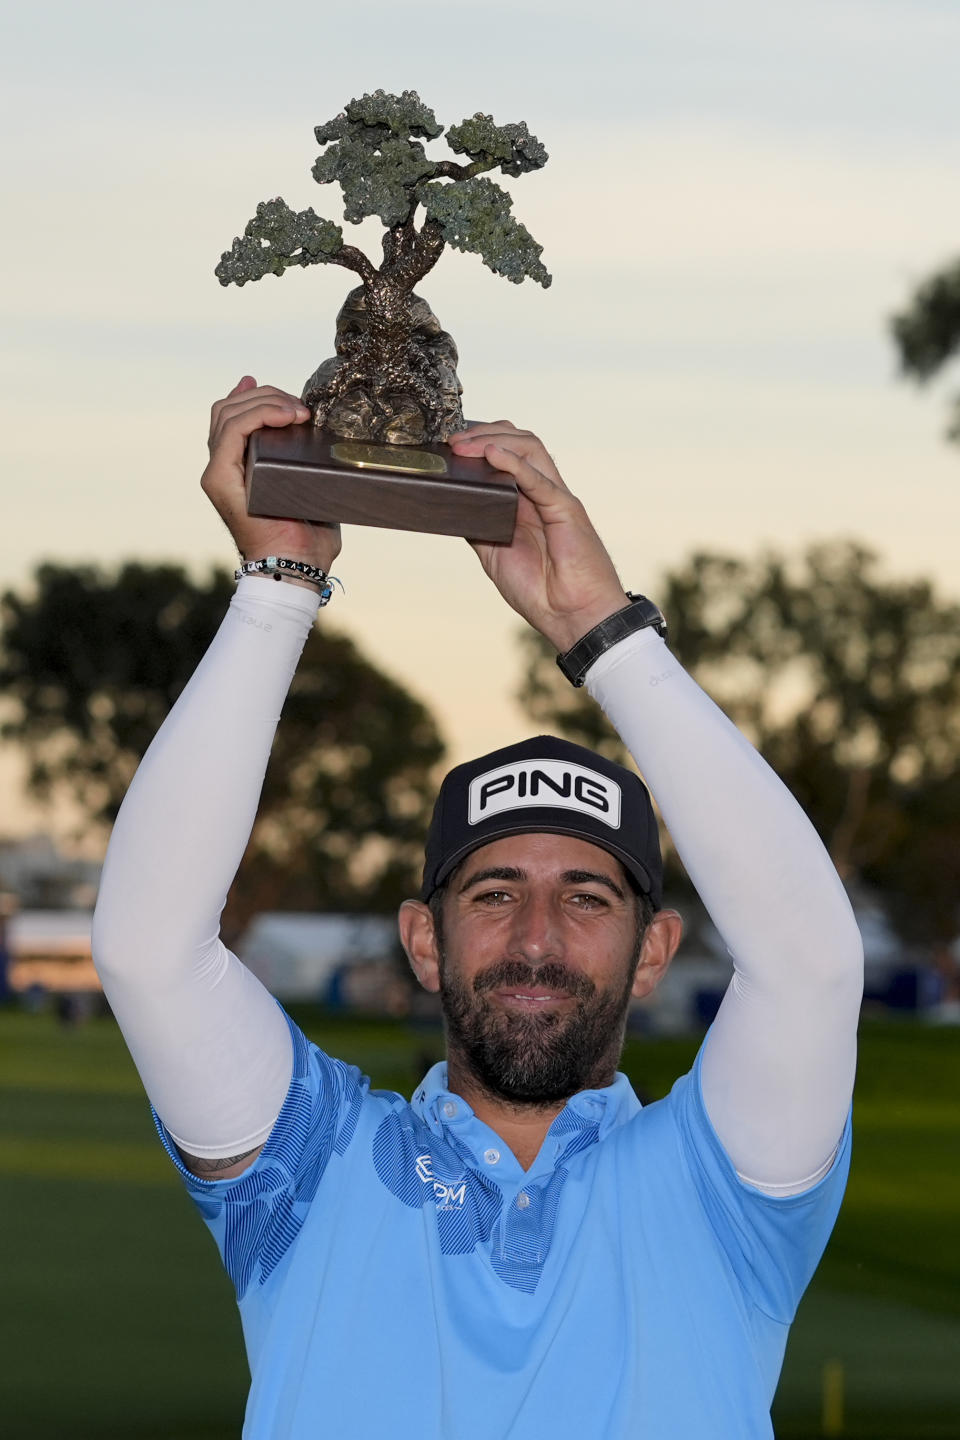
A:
(248, 407)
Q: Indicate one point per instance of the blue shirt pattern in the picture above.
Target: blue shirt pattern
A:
(398, 1273)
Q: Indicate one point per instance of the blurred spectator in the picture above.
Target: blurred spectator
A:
(946, 963)
(8, 905)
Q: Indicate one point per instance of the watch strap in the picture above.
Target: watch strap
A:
(640, 614)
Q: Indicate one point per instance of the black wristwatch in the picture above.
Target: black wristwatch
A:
(640, 613)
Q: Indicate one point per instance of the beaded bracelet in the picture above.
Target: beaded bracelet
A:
(280, 567)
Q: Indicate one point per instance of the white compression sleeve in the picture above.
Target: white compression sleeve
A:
(212, 1046)
(779, 1062)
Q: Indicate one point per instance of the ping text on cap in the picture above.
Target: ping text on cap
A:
(538, 783)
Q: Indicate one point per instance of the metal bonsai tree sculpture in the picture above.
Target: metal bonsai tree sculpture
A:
(393, 378)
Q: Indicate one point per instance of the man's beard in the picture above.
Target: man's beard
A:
(536, 1058)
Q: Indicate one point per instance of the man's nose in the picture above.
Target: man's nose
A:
(537, 932)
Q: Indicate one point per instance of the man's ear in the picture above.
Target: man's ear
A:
(419, 939)
(659, 947)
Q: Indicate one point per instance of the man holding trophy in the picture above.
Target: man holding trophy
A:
(521, 1249)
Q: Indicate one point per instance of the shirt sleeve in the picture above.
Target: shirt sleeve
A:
(773, 1243)
(256, 1217)
(778, 1066)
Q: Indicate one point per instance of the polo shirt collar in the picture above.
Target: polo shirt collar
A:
(606, 1108)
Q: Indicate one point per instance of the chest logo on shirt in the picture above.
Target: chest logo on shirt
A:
(448, 1197)
(525, 783)
(436, 1176)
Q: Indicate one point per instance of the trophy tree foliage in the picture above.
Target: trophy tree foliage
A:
(374, 152)
(927, 332)
(847, 681)
(90, 663)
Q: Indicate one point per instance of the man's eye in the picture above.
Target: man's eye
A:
(493, 897)
(586, 901)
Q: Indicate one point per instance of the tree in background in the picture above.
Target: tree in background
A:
(847, 681)
(91, 662)
(927, 332)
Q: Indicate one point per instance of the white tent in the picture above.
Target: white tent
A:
(295, 955)
(51, 949)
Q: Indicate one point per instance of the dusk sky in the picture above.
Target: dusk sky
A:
(739, 195)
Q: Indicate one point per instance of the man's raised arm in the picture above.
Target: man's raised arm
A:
(779, 1063)
(212, 1047)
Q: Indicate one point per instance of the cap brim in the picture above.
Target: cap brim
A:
(632, 866)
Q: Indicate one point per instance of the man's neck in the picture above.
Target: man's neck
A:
(521, 1125)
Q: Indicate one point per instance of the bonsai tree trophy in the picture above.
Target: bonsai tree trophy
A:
(386, 402)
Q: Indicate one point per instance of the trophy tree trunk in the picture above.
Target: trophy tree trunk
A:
(394, 377)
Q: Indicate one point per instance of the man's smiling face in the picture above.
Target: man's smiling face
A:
(539, 947)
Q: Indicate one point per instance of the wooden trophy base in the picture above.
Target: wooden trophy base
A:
(301, 472)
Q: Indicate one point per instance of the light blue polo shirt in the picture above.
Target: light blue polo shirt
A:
(399, 1275)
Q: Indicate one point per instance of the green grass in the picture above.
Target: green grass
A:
(117, 1322)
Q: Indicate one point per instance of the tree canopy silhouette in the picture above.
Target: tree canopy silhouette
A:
(846, 680)
(90, 663)
(927, 332)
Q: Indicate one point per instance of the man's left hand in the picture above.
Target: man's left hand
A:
(556, 571)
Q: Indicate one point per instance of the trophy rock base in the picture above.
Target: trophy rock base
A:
(302, 472)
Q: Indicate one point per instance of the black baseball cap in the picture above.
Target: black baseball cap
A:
(546, 786)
